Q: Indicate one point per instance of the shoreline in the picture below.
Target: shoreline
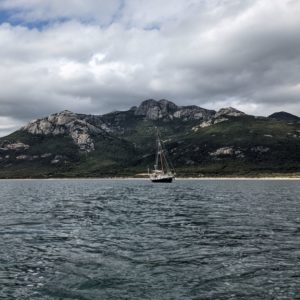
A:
(147, 179)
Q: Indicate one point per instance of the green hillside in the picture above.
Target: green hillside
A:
(123, 144)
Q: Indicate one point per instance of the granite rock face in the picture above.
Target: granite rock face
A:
(64, 123)
(193, 113)
(154, 110)
(229, 112)
(220, 116)
(164, 109)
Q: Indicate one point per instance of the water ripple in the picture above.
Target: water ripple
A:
(102, 239)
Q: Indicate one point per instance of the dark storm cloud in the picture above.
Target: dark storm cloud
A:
(106, 57)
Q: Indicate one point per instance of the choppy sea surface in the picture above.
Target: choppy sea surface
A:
(126, 239)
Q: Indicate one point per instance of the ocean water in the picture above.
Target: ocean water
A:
(126, 239)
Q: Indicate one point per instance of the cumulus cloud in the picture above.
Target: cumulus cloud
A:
(94, 57)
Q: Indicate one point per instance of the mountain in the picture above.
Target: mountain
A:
(284, 116)
(67, 123)
(167, 110)
(200, 142)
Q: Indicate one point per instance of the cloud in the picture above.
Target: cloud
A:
(95, 57)
(31, 11)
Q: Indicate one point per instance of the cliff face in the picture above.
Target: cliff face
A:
(164, 109)
(154, 110)
(66, 123)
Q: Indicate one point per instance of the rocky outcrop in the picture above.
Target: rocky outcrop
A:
(193, 113)
(154, 110)
(209, 123)
(236, 152)
(164, 109)
(229, 112)
(69, 123)
(18, 146)
(227, 152)
(221, 116)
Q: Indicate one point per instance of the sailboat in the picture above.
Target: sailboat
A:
(163, 169)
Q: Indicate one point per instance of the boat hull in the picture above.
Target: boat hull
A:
(166, 179)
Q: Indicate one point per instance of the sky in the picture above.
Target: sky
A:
(97, 56)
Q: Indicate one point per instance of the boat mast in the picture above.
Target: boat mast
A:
(157, 152)
(161, 155)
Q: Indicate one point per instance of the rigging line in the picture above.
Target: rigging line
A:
(163, 153)
(168, 162)
(161, 161)
(157, 152)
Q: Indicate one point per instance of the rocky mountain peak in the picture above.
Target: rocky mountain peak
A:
(66, 123)
(165, 109)
(62, 118)
(154, 110)
(229, 111)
